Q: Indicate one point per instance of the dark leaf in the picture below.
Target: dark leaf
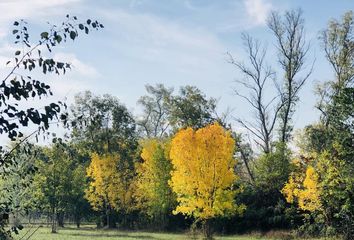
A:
(44, 35)
(72, 35)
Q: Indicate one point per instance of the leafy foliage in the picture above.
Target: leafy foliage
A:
(18, 86)
(203, 172)
(153, 193)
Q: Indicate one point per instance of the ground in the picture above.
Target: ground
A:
(71, 233)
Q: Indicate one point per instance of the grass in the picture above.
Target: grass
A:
(90, 233)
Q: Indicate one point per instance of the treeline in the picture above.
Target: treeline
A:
(180, 164)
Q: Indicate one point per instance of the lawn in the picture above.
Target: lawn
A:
(43, 233)
(71, 233)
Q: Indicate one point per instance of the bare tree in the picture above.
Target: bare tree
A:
(292, 51)
(257, 74)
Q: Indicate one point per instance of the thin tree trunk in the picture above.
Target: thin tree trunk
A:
(54, 221)
(207, 230)
(60, 217)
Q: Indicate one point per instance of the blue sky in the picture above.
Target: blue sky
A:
(175, 42)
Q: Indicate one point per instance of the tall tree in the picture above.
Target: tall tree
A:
(191, 108)
(289, 32)
(153, 193)
(203, 174)
(53, 183)
(257, 75)
(330, 142)
(103, 124)
(18, 85)
(103, 190)
(154, 121)
(338, 45)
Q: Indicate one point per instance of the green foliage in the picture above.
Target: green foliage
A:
(103, 124)
(59, 183)
(153, 193)
(154, 122)
(18, 85)
(272, 169)
(191, 109)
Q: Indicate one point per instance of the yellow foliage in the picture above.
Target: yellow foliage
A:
(152, 192)
(309, 197)
(107, 186)
(203, 177)
(304, 189)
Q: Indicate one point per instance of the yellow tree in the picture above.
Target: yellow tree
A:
(203, 174)
(152, 192)
(304, 187)
(107, 189)
(102, 190)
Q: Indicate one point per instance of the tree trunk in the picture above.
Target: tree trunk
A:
(60, 217)
(77, 220)
(110, 220)
(207, 229)
(54, 221)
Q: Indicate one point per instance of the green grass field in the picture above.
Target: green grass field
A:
(43, 233)
(71, 233)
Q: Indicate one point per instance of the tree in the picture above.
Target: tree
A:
(15, 185)
(153, 193)
(272, 169)
(110, 184)
(103, 125)
(154, 122)
(191, 109)
(203, 174)
(256, 78)
(289, 32)
(53, 183)
(17, 86)
(331, 140)
(104, 188)
(105, 128)
(338, 45)
(304, 189)
(320, 185)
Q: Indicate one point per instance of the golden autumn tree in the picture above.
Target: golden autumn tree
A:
(152, 192)
(304, 188)
(108, 188)
(203, 174)
(102, 192)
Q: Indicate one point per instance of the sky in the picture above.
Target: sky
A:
(175, 42)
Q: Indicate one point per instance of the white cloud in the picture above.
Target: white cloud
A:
(23, 9)
(153, 39)
(258, 11)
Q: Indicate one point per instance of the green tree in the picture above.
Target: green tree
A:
(104, 126)
(54, 187)
(15, 186)
(330, 141)
(152, 191)
(191, 108)
(18, 85)
(154, 122)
